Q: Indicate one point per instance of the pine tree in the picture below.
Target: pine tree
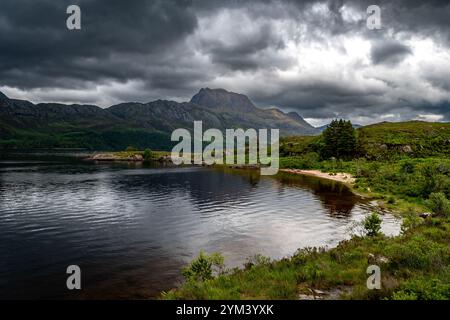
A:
(339, 140)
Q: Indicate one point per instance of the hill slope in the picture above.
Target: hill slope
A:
(386, 139)
(414, 138)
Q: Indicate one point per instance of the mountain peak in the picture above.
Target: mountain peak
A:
(223, 99)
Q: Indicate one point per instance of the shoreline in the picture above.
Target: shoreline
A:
(339, 177)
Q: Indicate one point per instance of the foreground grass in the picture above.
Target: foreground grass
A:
(414, 265)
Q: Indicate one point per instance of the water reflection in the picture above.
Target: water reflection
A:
(335, 196)
(132, 228)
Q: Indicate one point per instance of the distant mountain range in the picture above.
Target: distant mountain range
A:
(52, 125)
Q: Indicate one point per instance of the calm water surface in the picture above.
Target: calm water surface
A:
(132, 228)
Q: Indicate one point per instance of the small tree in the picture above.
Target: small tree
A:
(148, 154)
(130, 148)
(201, 268)
(438, 203)
(372, 224)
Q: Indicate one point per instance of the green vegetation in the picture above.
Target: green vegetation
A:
(390, 162)
(406, 166)
(148, 155)
(202, 268)
(415, 139)
(396, 182)
(372, 224)
(438, 203)
(382, 141)
(67, 137)
(338, 140)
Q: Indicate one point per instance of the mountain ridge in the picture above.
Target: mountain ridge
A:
(46, 125)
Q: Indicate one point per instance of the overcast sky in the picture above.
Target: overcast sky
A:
(314, 57)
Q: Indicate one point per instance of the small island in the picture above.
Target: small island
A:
(132, 155)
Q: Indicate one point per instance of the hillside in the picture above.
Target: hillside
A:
(386, 140)
(49, 125)
(413, 138)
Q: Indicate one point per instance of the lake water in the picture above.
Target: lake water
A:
(131, 228)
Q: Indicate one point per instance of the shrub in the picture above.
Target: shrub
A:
(418, 253)
(431, 183)
(148, 154)
(391, 200)
(411, 220)
(310, 160)
(201, 268)
(404, 295)
(310, 272)
(257, 260)
(130, 148)
(372, 224)
(408, 167)
(301, 256)
(438, 203)
(423, 289)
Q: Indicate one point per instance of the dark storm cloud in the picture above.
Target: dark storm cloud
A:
(389, 52)
(426, 17)
(321, 98)
(37, 49)
(242, 54)
(276, 51)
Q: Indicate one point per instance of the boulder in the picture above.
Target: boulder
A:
(406, 149)
(425, 215)
(137, 157)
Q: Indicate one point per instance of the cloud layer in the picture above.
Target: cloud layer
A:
(314, 57)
